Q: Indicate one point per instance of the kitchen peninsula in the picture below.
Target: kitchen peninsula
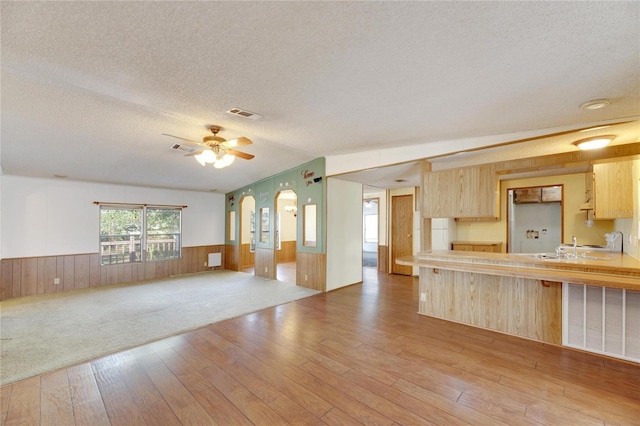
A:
(540, 299)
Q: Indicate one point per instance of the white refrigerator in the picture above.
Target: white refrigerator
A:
(443, 232)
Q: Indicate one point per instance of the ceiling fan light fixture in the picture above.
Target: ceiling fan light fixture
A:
(216, 150)
(594, 142)
(206, 156)
(228, 159)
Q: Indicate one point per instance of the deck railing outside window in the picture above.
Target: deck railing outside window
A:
(126, 248)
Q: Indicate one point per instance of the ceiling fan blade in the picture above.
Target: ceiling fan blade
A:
(194, 153)
(236, 142)
(183, 139)
(239, 154)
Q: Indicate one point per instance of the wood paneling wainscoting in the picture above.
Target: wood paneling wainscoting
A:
(383, 258)
(231, 259)
(247, 257)
(311, 270)
(287, 252)
(36, 275)
(265, 265)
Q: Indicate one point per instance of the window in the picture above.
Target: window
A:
(127, 231)
(370, 228)
(264, 225)
(163, 233)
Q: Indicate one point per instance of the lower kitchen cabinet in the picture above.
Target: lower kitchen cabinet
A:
(601, 320)
(477, 246)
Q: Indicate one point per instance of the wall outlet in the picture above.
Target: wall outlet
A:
(205, 263)
(423, 297)
(306, 278)
(56, 281)
(266, 269)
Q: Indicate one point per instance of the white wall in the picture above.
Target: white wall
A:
(344, 233)
(46, 217)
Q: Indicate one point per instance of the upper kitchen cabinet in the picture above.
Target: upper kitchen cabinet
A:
(612, 190)
(467, 192)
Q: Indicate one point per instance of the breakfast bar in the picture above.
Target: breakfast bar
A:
(590, 302)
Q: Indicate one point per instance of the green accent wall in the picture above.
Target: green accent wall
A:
(309, 183)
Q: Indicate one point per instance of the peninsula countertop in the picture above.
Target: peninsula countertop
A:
(615, 270)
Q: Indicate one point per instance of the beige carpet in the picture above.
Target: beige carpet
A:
(46, 332)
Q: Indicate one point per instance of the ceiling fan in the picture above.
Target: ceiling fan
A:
(217, 150)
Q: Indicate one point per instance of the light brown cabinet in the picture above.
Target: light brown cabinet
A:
(492, 247)
(527, 195)
(612, 190)
(538, 194)
(551, 194)
(466, 192)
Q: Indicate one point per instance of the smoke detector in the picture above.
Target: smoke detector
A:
(596, 103)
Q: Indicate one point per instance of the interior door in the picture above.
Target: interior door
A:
(401, 232)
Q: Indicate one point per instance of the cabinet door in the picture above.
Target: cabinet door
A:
(527, 195)
(551, 194)
(463, 192)
(613, 191)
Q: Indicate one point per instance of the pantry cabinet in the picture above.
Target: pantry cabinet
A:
(485, 246)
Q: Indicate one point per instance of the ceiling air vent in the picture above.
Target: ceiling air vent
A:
(183, 148)
(244, 113)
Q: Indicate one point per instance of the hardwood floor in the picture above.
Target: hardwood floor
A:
(355, 355)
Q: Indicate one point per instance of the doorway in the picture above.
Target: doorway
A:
(535, 219)
(247, 233)
(370, 223)
(401, 232)
(286, 235)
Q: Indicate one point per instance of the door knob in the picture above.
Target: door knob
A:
(408, 235)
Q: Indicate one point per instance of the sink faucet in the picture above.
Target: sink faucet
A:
(575, 246)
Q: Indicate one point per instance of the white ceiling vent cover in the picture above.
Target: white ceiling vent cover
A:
(183, 148)
(244, 113)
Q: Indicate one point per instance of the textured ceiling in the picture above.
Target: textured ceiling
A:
(87, 88)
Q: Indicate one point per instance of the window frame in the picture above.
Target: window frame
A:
(142, 254)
